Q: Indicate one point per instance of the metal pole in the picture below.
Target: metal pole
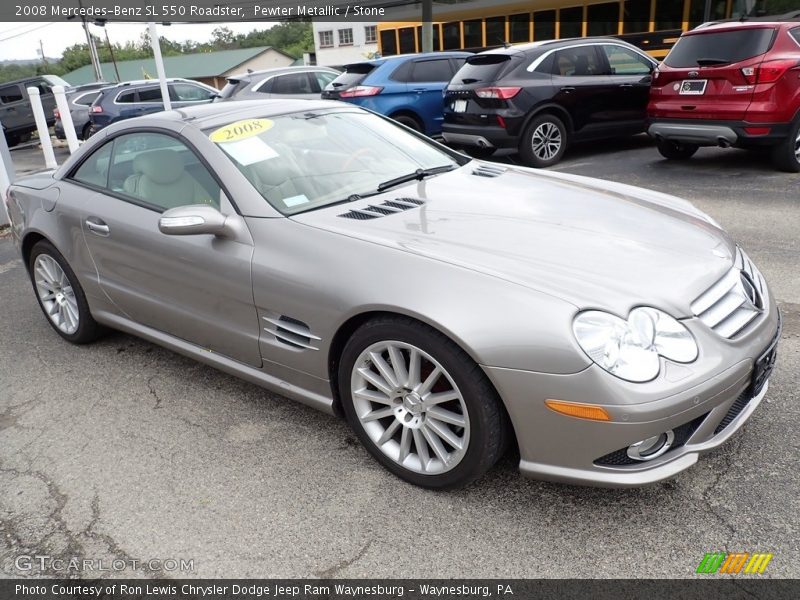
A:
(6, 175)
(427, 26)
(162, 78)
(41, 125)
(66, 117)
(113, 59)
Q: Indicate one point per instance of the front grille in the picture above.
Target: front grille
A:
(620, 457)
(737, 407)
(735, 301)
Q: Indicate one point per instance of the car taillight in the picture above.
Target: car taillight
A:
(360, 90)
(56, 114)
(769, 71)
(97, 109)
(498, 93)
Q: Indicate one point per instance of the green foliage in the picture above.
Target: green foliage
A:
(293, 38)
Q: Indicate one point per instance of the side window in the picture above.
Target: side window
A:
(160, 171)
(324, 78)
(796, 34)
(432, 70)
(94, 170)
(577, 62)
(624, 61)
(292, 83)
(152, 94)
(44, 87)
(10, 93)
(126, 97)
(86, 99)
(186, 92)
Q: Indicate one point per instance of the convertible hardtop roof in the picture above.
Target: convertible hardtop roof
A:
(218, 114)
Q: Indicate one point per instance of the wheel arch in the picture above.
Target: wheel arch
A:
(552, 109)
(407, 112)
(28, 242)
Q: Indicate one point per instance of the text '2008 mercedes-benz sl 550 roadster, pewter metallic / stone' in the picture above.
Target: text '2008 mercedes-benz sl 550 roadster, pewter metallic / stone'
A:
(446, 307)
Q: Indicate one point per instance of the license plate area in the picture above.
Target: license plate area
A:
(693, 87)
(459, 106)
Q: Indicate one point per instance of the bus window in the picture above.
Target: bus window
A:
(544, 25)
(697, 10)
(669, 15)
(473, 34)
(437, 36)
(388, 43)
(602, 19)
(495, 31)
(407, 40)
(519, 28)
(636, 16)
(571, 22)
(452, 36)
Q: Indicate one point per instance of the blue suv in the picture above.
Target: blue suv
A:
(407, 88)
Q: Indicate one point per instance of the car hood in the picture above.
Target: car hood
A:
(589, 242)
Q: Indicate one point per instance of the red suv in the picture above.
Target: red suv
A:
(730, 84)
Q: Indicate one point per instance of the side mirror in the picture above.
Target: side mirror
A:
(196, 219)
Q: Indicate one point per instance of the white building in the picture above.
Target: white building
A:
(339, 43)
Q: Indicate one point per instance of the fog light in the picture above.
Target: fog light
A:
(652, 447)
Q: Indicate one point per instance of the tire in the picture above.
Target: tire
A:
(479, 153)
(12, 140)
(57, 289)
(409, 121)
(467, 425)
(543, 142)
(675, 150)
(86, 132)
(786, 155)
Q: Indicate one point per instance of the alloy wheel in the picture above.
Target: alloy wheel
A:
(797, 146)
(410, 407)
(56, 294)
(546, 141)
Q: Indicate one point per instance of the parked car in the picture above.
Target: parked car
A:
(541, 97)
(283, 82)
(16, 112)
(730, 84)
(137, 98)
(445, 306)
(407, 88)
(79, 99)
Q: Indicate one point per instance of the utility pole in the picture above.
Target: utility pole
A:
(98, 75)
(427, 26)
(41, 50)
(110, 49)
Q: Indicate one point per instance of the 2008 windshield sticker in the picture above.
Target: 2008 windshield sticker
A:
(240, 130)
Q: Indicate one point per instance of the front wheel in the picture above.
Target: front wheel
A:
(419, 404)
(676, 150)
(60, 296)
(543, 142)
(786, 155)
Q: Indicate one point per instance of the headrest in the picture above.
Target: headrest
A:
(160, 166)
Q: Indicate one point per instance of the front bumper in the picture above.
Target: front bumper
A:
(717, 133)
(578, 451)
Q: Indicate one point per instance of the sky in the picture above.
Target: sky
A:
(21, 40)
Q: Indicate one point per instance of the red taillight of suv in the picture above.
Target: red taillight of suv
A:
(497, 93)
(360, 91)
(56, 113)
(97, 109)
(769, 71)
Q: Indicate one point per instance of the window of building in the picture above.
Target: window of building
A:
(602, 19)
(544, 25)
(371, 34)
(571, 22)
(636, 16)
(452, 36)
(325, 39)
(495, 31)
(473, 34)
(388, 42)
(345, 37)
(669, 15)
(407, 41)
(519, 28)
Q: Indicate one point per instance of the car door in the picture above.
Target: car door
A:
(427, 79)
(15, 110)
(582, 88)
(195, 287)
(148, 100)
(631, 74)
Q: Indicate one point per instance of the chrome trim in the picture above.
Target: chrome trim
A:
(291, 333)
(539, 60)
(634, 452)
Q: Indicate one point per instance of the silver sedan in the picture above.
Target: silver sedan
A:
(446, 307)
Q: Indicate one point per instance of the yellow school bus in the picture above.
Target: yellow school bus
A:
(653, 25)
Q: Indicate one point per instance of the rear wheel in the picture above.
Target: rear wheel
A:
(408, 121)
(419, 404)
(786, 155)
(543, 142)
(60, 296)
(86, 133)
(676, 150)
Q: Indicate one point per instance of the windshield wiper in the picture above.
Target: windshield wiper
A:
(708, 62)
(419, 174)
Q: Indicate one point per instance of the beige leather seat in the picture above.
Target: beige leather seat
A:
(159, 177)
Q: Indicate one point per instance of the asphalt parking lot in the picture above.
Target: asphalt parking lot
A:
(125, 450)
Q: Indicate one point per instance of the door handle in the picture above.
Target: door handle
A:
(97, 226)
(567, 89)
(626, 86)
(418, 90)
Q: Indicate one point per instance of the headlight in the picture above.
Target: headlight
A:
(631, 349)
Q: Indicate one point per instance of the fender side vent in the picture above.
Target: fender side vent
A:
(373, 211)
(291, 332)
(489, 171)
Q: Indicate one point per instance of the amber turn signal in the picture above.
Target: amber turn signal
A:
(578, 410)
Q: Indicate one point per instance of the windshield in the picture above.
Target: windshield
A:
(304, 161)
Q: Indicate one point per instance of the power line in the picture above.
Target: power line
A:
(16, 35)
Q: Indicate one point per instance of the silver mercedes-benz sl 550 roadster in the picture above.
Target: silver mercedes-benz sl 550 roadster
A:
(446, 307)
